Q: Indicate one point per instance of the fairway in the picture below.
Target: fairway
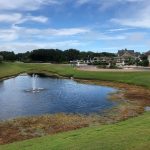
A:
(136, 78)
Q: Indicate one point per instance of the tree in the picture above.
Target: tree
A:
(1, 58)
(8, 56)
(144, 61)
(24, 57)
(47, 55)
(71, 54)
(130, 61)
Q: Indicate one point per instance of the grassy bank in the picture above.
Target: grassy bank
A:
(136, 78)
(133, 134)
(9, 69)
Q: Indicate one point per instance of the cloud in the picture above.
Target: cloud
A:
(137, 36)
(142, 22)
(119, 29)
(25, 4)
(51, 31)
(8, 35)
(97, 36)
(32, 33)
(106, 4)
(10, 18)
(40, 19)
(67, 32)
(17, 18)
(137, 16)
(23, 47)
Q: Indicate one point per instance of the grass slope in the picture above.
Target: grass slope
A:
(137, 78)
(132, 134)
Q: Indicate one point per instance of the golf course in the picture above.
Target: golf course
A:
(131, 132)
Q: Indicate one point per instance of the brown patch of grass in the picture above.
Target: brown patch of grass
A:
(29, 127)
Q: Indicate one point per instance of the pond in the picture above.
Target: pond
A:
(54, 96)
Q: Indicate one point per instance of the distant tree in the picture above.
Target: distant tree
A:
(106, 54)
(47, 55)
(72, 54)
(143, 57)
(130, 61)
(137, 61)
(1, 58)
(8, 56)
(24, 57)
(84, 56)
(53, 55)
(144, 61)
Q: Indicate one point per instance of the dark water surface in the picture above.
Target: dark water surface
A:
(61, 95)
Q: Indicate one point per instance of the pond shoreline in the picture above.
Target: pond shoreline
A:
(132, 101)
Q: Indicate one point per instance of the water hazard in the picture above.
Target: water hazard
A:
(56, 96)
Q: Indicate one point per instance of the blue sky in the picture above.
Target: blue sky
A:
(95, 25)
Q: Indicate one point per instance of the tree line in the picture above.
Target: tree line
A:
(52, 55)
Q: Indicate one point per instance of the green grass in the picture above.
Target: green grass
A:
(133, 134)
(9, 69)
(137, 78)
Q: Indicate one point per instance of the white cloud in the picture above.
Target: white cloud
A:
(138, 17)
(142, 22)
(17, 18)
(25, 4)
(97, 36)
(8, 35)
(119, 29)
(67, 32)
(23, 47)
(105, 4)
(51, 31)
(137, 36)
(10, 18)
(115, 37)
(31, 33)
(40, 19)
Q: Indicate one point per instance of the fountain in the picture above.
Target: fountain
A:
(34, 88)
(34, 77)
